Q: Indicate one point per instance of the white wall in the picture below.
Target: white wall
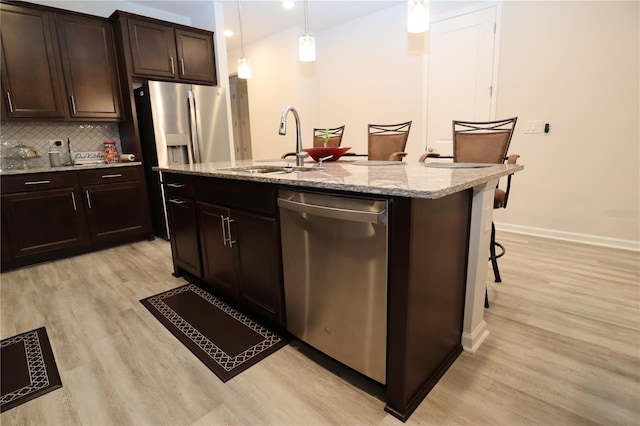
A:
(576, 66)
(367, 71)
(278, 80)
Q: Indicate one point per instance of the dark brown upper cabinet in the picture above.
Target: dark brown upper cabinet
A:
(88, 62)
(195, 56)
(168, 51)
(31, 72)
(57, 66)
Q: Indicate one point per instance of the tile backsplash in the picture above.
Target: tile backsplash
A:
(82, 136)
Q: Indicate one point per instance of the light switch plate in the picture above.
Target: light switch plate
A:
(536, 126)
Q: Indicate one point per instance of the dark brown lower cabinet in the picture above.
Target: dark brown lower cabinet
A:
(218, 260)
(183, 222)
(6, 254)
(240, 247)
(115, 210)
(51, 215)
(42, 221)
(258, 257)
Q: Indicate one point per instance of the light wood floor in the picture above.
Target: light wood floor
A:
(564, 349)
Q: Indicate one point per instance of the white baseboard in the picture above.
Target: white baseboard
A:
(570, 236)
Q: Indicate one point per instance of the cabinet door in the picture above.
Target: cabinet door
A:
(88, 62)
(185, 246)
(43, 221)
(6, 253)
(153, 49)
(218, 263)
(116, 210)
(195, 56)
(31, 74)
(259, 264)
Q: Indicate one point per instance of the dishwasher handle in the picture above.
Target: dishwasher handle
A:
(335, 212)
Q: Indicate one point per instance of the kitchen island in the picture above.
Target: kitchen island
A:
(439, 224)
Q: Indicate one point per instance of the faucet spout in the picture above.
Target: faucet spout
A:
(283, 131)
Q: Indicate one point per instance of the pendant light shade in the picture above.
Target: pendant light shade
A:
(307, 48)
(418, 16)
(244, 66)
(306, 43)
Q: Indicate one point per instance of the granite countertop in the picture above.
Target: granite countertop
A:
(10, 172)
(417, 180)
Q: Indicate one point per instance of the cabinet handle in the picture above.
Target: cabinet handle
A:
(86, 191)
(177, 201)
(231, 240)
(173, 69)
(224, 234)
(10, 102)
(182, 66)
(111, 176)
(38, 182)
(176, 185)
(73, 198)
(73, 104)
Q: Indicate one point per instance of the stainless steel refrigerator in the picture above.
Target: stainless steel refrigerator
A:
(179, 124)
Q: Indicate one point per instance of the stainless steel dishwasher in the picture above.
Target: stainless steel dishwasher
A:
(334, 252)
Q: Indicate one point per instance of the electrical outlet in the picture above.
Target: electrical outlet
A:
(56, 144)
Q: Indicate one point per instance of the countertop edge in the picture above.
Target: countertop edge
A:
(494, 174)
(14, 172)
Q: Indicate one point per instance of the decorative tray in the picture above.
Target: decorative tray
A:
(88, 157)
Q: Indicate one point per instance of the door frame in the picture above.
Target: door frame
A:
(496, 59)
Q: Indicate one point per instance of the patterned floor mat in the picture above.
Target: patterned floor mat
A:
(28, 368)
(225, 340)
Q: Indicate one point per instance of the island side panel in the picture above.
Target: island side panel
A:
(475, 327)
(426, 295)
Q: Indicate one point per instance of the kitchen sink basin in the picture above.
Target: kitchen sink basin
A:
(269, 169)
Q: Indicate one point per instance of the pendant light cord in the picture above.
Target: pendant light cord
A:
(240, 21)
(306, 19)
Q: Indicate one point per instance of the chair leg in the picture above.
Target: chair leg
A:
(493, 257)
(486, 298)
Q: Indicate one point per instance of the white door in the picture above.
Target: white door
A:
(461, 67)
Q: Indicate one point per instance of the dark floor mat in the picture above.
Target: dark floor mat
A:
(225, 340)
(28, 368)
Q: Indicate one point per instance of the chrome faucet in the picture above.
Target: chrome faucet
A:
(300, 155)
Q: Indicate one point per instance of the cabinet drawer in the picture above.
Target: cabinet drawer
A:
(110, 175)
(251, 196)
(38, 181)
(177, 185)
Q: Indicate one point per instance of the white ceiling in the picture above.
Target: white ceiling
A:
(261, 18)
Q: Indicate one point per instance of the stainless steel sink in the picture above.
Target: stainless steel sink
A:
(269, 169)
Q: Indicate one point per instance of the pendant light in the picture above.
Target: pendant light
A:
(244, 66)
(306, 43)
(418, 16)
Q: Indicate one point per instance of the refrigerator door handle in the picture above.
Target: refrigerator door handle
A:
(193, 124)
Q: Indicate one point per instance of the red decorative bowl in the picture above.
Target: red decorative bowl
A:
(319, 152)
